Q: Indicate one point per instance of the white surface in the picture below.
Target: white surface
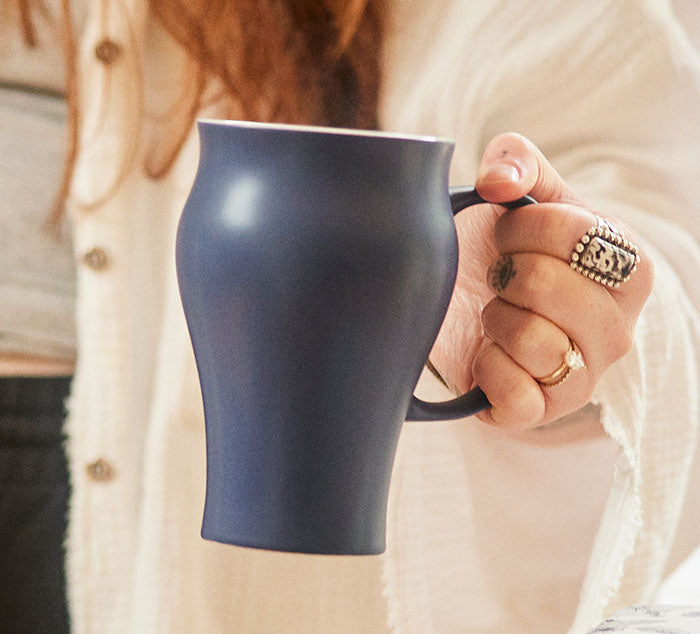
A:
(683, 586)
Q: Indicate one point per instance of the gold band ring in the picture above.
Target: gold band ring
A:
(573, 360)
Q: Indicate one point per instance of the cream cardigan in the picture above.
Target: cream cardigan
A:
(487, 533)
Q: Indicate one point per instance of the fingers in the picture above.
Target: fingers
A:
(584, 310)
(548, 228)
(542, 305)
(546, 312)
(522, 345)
(512, 166)
(516, 399)
(533, 342)
(554, 229)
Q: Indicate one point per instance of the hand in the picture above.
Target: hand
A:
(515, 281)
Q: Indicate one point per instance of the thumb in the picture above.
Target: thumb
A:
(512, 166)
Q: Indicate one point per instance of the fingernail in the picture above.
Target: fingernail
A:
(499, 173)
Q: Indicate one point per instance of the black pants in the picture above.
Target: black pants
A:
(34, 491)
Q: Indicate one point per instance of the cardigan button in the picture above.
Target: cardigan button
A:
(107, 51)
(100, 470)
(96, 259)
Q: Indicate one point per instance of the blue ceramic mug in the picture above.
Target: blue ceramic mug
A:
(315, 267)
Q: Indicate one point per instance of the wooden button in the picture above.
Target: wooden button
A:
(100, 470)
(107, 51)
(96, 259)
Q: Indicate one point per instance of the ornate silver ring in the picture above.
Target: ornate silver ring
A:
(604, 255)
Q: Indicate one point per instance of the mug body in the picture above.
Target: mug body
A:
(315, 267)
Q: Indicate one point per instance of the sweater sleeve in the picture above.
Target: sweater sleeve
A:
(613, 100)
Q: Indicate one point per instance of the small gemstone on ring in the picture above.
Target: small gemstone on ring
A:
(574, 360)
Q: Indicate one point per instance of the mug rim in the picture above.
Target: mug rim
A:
(293, 127)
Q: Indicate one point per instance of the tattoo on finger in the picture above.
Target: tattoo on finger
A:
(500, 273)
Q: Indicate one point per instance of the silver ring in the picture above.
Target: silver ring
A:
(604, 255)
(573, 360)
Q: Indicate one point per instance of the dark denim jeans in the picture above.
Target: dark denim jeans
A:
(34, 490)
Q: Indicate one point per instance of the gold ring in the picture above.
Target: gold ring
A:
(573, 360)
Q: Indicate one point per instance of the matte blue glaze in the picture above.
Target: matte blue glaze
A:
(315, 268)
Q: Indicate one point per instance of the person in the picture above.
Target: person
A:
(37, 343)
(567, 499)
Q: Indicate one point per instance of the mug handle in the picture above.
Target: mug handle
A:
(475, 400)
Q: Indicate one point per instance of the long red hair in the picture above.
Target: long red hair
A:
(293, 61)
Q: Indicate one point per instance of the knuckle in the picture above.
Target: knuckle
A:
(562, 223)
(521, 406)
(620, 337)
(539, 277)
(517, 402)
(527, 340)
(622, 343)
(511, 225)
(515, 399)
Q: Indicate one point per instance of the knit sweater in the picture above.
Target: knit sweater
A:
(488, 532)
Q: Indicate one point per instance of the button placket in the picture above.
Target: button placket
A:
(97, 259)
